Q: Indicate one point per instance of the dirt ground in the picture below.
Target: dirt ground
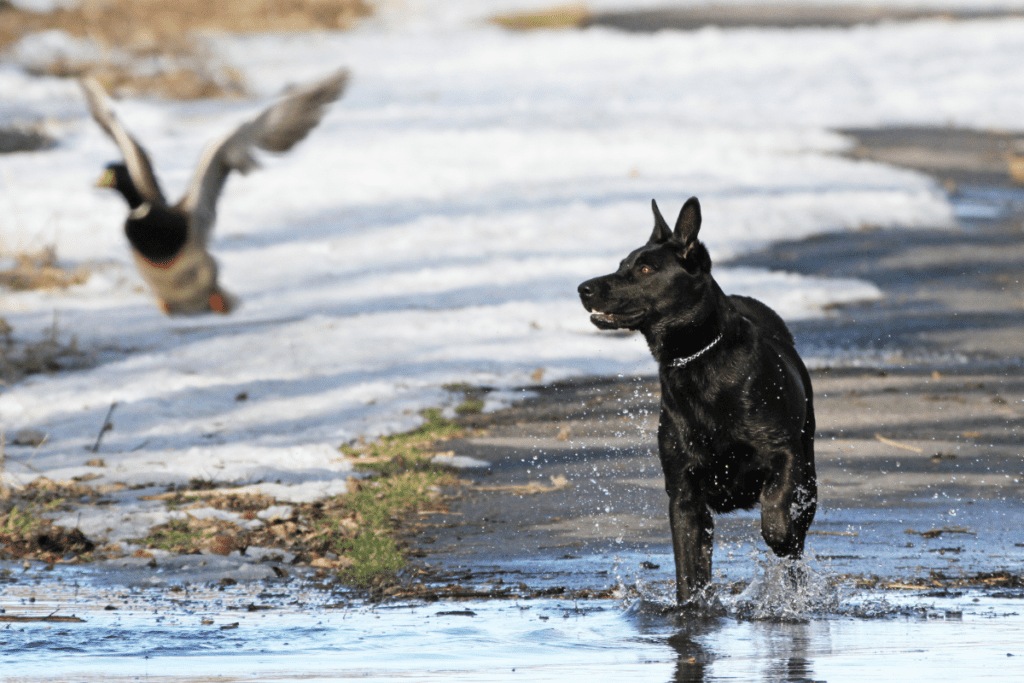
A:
(735, 15)
(919, 455)
(779, 15)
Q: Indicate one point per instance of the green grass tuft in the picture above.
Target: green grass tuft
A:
(375, 554)
(471, 406)
(175, 536)
(405, 480)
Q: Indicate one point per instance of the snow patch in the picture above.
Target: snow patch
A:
(433, 229)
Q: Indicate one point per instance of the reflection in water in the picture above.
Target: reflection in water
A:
(783, 652)
(694, 658)
(716, 647)
(686, 629)
(777, 610)
(789, 656)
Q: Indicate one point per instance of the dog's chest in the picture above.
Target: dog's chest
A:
(710, 444)
(708, 422)
(701, 409)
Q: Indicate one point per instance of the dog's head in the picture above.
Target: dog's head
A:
(669, 278)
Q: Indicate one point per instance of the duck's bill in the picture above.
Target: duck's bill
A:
(107, 179)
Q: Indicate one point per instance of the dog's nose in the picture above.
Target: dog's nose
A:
(586, 289)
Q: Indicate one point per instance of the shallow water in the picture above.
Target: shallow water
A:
(972, 202)
(280, 632)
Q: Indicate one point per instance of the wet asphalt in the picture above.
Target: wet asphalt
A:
(781, 15)
(920, 437)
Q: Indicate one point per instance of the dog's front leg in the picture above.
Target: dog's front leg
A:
(788, 503)
(692, 535)
(689, 517)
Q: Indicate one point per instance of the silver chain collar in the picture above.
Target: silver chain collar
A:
(682, 362)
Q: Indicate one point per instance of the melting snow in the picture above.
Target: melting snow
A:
(434, 228)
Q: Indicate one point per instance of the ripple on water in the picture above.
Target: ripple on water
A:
(795, 621)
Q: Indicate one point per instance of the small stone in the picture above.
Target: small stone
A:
(326, 563)
(222, 545)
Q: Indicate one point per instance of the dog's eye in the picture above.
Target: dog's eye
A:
(646, 270)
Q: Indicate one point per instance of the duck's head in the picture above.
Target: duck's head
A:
(117, 177)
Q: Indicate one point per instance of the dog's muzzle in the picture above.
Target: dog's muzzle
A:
(590, 297)
(588, 291)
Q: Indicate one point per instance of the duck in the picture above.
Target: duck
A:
(170, 243)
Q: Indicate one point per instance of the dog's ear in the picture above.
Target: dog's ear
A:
(662, 233)
(688, 224)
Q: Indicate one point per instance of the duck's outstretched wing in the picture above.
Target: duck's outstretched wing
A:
(135, 159)
(277, 129)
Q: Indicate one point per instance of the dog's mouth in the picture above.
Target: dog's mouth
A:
(612, 321)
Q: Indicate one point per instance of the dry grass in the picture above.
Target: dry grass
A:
(34, 271)
(180, 68)
(1016, 167)
(20, 358)
(40, 271)
(566, 16)
(150, 23)
(358, 534)
(153, 47)
(354, 534)
(49, 354)
(26, 532)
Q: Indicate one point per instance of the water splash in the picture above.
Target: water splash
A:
(782, 591)
(787, 590)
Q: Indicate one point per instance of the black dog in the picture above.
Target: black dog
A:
(737, 421)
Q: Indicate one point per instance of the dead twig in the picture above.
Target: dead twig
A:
(935, 533)
(557, 482)
(28, 463)
(107, 426)
(201, 493)
(897, 444)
